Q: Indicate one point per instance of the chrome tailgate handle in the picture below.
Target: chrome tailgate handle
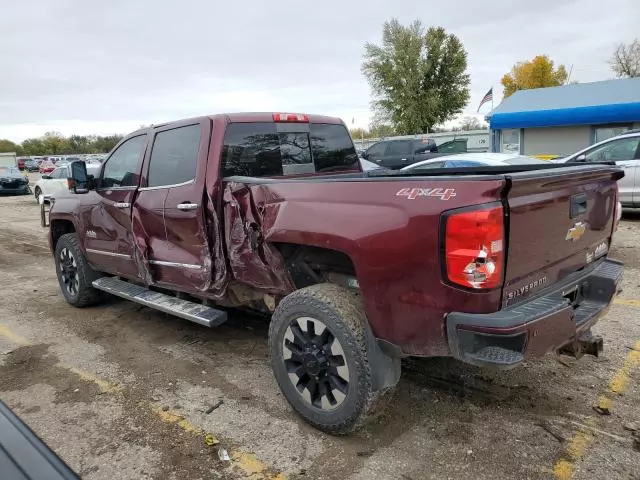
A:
(187, 206)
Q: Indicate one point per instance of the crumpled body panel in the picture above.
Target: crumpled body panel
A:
(253, 262)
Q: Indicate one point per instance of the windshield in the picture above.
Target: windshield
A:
(9, 170)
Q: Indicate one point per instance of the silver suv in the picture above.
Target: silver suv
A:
(624, 151)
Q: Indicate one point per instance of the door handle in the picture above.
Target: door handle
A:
(121, 205)
(187, 206)
(403, 159)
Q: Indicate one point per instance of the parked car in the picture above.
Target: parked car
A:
(398, 153)
(368, 166)
(46, 167)
(51, 184)
(20, 162)
(623, 151)
(31, 165)
(487, 159)
(354, 272)
(12, 181)
(57, 182)
(475, 160)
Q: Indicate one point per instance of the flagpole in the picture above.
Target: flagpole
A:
(492, 98)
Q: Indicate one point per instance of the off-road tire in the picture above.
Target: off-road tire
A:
(342, 312)
(85, 295)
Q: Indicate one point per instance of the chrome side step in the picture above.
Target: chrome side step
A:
(194, 312)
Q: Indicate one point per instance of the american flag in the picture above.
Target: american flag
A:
(487, 98)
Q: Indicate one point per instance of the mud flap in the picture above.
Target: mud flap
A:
(385, 370)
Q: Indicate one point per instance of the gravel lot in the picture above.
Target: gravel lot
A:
(121, 391)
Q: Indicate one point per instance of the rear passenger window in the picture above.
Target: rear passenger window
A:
(399, 147)
(174, 156)
(265, 149)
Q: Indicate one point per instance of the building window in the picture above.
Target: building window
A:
(608, 131)
(510, 140)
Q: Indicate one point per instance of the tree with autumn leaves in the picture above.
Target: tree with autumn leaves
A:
(537, 73)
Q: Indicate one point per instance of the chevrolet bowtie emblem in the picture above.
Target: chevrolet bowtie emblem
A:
(575, 232)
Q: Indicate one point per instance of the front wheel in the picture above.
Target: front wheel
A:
(75, 276)
(319, 357)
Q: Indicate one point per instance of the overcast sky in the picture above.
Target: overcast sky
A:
(85, 67)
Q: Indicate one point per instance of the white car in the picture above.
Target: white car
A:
(53, 183)
(56, 182)
(368, 166)
(484, 159)
(624, 151)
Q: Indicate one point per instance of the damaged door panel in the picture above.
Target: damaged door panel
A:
(253, 261)
(173, 250)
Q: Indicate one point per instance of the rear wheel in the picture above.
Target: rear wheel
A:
(75, 276)
(319, 357)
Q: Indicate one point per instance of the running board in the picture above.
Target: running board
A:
(194, 312)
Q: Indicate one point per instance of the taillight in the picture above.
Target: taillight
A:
(474, 247)
(290, 117)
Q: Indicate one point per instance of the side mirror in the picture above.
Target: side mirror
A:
(79, 181)
(580, 158)
(365, 155)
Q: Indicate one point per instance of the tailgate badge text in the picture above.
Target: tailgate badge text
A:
(413, 193)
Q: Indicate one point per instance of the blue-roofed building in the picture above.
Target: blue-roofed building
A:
(561, 120)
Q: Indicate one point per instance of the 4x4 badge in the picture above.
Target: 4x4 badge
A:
(575, 232)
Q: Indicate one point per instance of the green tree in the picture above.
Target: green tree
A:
(358, 133)
(7, 146)
(417, 76)
(537, 73)
(625, 61)
(33, 146)
(105, 144)
(56, 144)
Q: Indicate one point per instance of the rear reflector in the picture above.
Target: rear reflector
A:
(474, 247)
(290, 117)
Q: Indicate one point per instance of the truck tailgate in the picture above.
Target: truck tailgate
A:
(559, 221)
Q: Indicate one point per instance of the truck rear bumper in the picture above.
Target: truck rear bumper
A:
(561, 315)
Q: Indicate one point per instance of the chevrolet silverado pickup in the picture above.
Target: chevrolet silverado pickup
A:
(354, 270)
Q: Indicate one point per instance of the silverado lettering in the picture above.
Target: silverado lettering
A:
(525, 289)
(273, 213)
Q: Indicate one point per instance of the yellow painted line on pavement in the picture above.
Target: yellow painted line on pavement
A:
(627, 302)
(245, 461)
(103, 385)
(248, 463)
(580, 441)
(13, 337)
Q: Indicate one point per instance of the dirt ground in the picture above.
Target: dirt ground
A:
(120, 391)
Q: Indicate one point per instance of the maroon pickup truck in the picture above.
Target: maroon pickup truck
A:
(355, 270)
